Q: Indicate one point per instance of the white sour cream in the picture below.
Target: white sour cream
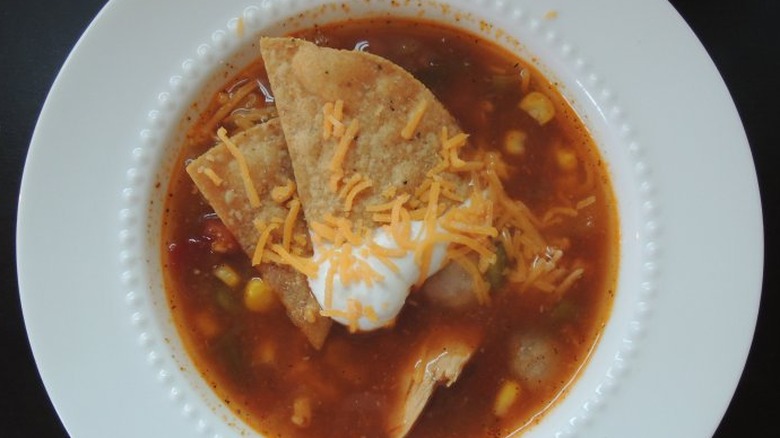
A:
(387, 296)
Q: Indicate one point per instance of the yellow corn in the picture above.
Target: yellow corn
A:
(506, 397)
(538, 106)
(258, 296)
(228, 275)
(301, 416)
(207, 324)
(265, 353)
(567, 159)
(514, 142)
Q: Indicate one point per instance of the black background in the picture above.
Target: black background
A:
(740, 36)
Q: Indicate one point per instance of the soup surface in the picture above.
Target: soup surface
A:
(533, 336)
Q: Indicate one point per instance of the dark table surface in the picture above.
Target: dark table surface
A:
(36, 38)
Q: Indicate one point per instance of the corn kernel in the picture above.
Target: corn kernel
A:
(506, 397)
(514, 142)
(310, 315)
(228, 275)
(207, 324)
(567, 159)
(538, 106)
(301, 416)
(264, 353)
(258, 296)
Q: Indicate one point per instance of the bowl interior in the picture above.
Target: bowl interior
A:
(523, 30)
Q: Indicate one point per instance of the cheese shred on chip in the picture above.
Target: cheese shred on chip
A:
(414, 119)
(341, 151)
(209, 172)
(254, 199)
(431, 180)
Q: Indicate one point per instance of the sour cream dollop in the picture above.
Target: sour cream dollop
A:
(386, 296)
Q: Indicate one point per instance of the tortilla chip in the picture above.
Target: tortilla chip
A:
(217, 175)
(381, 96)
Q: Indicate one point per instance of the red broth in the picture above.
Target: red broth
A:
(259, 365)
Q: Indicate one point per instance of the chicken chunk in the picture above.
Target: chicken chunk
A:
(438, 362)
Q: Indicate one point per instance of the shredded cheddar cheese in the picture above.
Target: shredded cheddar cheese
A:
(209, 172)
(381, 218)
(388, 205)
(301, 264)
(354, 310)
(449, 194)
(340, 153)
(470, 228)
(381, 251)
(370, 313)
(338, 126)
(424, 187)
(327, 125)
(265, 235)
(337, 118)
(329, 287)
(439, 168)
(590, 200)
(300, 239)
(471, 222)
(450, 148)
(251, 193)
(431, 215)
(338, 110)
(349, 183)
(414, 119)
(553, 215)
(324, 231)
(564, 285)
(365, 184)
(389, 192)
(331, 219)
(281, 194)
(272, 257)
(455, 142)
(289, 222)
(400, 229)
(387, 262)
(223, 111)
(344, 233)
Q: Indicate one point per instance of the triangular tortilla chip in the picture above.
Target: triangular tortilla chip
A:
(217, 175)
(381, 96)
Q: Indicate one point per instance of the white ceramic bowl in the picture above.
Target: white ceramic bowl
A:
(108, 135)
